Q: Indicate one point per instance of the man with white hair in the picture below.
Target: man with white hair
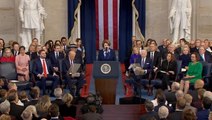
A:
(163, 112)
(170, 95)
(58, 94)
(189, 99)
(5, 107)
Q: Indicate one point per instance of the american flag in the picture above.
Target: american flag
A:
(107, 22)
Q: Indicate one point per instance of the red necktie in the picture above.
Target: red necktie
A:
(44, 69)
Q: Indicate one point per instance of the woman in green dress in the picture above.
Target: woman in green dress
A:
(194, 73)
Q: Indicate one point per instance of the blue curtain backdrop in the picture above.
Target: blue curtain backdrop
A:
(88, 32)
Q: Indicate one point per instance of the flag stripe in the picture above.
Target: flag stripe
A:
(101, 22)
(97, 23)
(115, 24)
(105, 18)
(110, 21)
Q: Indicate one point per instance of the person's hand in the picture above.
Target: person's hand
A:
(54, 74)
(39, 76)
(23, 69)
(186, 67)
(172, 72)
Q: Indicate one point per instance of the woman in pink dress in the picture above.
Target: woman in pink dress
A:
(22, 64)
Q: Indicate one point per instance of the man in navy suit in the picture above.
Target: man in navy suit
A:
(145, 64)
(71, 79)
(55, 56)
(204, 55)
(106, 54)
(43, 71)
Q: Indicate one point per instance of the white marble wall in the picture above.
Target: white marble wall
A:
(157, 26)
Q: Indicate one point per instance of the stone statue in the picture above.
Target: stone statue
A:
(32, 15)
(180, 19)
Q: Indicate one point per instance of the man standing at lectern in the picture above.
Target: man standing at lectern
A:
(106, 54)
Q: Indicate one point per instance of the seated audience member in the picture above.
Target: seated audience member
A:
(199, 84)
(81, 48)
(208, 94)
(67, 109)
(58, 93)
(163, 113)
(42, 106)
(54, 113)
(22, 65)
(172, 49)
(31, 51)
(197, 45)
(12, 86)
(43, 70)
(34, 94)
(188, 99)
(204, 114)
(161, 99)
(198, 104)
(3, 94)
(2, 45)
(193, 74)
(163, 48)
(106, 54)
(35, 41)
(5, 108)
(139, 45)
(170, 95)
(185, 57)
(154, 55)
(204, 55)
(189, 115)
(15, 48)
(55, 56)
(36, 54)
(167, 71)
(7, 56)
(155, 101)
(178, 114)
(70, 77)
(142, 71)
(91, 115)
(3, 83)
(192, 46)
(57, 42)
(64, 43)
(5, 117)
(182, 44)
(134, 56)
(30, 113)
(23, 97)
(15, 109)
(149, 107)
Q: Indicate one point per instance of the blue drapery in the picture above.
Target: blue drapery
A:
(88, 32)
(125, 26)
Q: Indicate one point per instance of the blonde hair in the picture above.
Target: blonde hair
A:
(5, 117)
(43, 104)
(28, 113)
(67, 99)
(6, 49)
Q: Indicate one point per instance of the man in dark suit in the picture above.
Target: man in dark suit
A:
(163, 48)
(149, 107)
(72, 79)
(15, 110)
(154, 56)
(15, 49)
(55, 56)
(178, 114)
(106, 54)
(204, 114)
(205, 55)
(78, 56)
(58, 93)
(170, 95)
(35, 95)
(43, 71)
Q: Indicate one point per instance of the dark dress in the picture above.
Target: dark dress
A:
(66, 111)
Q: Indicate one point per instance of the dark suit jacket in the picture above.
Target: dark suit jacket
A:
(163, 51)
(208, 57)
(33, 55)
(203, 114)
(157, 59)
(54, 60)
(148, 115)
(176, 115)
(91, 116)
(147, 65)
(31, 102)
(169, 66)
(13, 51)
(170, 97)
(37, 67)
(110, 56)
(59, 102)
(66, 111)
(16, 110)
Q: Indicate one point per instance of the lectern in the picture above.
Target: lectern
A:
(105, 74)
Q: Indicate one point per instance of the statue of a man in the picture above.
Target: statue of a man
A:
(31, 14)
(180, 19)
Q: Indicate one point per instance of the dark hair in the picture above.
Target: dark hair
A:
(15, 43)
(78, 39)
(63, 38)
(189, 115)
(53, 110)
(34, 39)
(149, 105)
(2, 41)
(105, 41)
(197, 55)
(206, 102)
(161, 99)
(172, 56)
(11, 96)
(57, 41)
(22, 47)
(56, 45)
(33, 93)
(41, 51)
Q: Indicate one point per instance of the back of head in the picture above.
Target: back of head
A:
(206, 103)
(5, 107)
(208, 94)
(34, 92)
(181, 103)
(163, 112)
(58, 92)
(189, 115)
(179, 94)
(201, 93)
(67, 99)
(188, 98)
(175, 86)
(11, 86)
(22, 95)
(12, 96)
(199, 84)
(5, 117)
(54, 110)
(161, 99)
(149, 106)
